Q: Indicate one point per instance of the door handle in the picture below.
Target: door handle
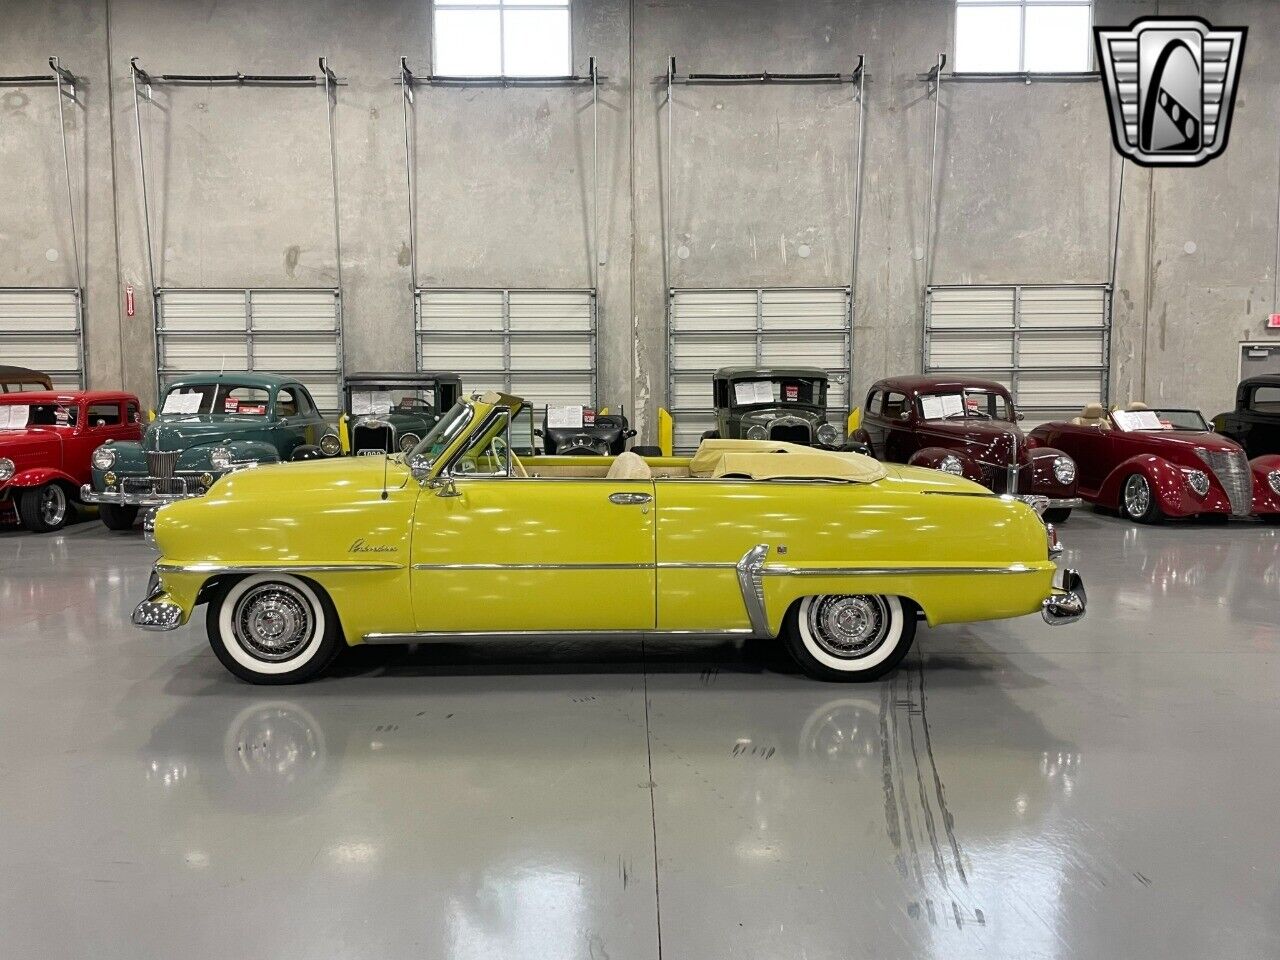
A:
(629, 499)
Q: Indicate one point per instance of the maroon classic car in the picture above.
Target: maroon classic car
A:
(46, 440)
(967, 427)
(1154, 463)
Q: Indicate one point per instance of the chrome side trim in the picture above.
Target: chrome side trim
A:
(533, 566)
(429, 636)
(297, 568)
(696, 565)
(778, 570)
(750, 567)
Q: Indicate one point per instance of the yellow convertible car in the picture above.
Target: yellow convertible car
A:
(459, 539)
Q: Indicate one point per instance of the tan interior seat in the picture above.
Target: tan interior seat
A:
(629, 466)
(1135, 405)
(1093, 415)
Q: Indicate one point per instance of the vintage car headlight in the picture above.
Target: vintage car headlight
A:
(104, 458)
(829, 435)
(1198, 481)
(1273, 480)
(757, 432)
(330, 445)
(951, 464)
(220, 458)
(6, 469)
(1064, 469)
(409, 441)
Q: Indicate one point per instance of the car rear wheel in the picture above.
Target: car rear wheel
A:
(849, 636)
(1057, 516)
(273, 628)
(1137, 502)
(44, 509)
(117, 517)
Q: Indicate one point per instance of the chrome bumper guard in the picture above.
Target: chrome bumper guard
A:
(143, 492)
(1069, 605)
(154, 613)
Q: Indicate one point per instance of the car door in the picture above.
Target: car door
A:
(873, 424)
(1261, 421)
(293, 421)
(900, 435)
(1091, 448)
(494, 552)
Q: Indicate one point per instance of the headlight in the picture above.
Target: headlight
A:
(409, 441)
(104, 458)
(220, 458)
(951, 464)
(1198, 481)
(330, 445)
(757, 432)
(829, 435)
(1273, 479)
(1064, 469)
(6, 469)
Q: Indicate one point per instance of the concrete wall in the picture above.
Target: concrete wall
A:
(1027, 178)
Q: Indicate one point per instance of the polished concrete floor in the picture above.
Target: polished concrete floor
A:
(1106, 790)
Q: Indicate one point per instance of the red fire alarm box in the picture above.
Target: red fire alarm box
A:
(1273, 322)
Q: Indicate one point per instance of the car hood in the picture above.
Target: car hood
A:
(24, 444)
(765, 414)
(346, 477)
(990, 441)
(1187, 440)
(179, 433)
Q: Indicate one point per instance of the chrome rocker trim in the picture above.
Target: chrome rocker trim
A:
(1068, 606)
(277, 568)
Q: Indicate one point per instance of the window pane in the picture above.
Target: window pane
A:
(468, 43)
(536, 3)
(987, 39)
(1057, 39)
(537, 43)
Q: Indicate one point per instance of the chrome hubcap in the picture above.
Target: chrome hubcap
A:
(272, 622)
(1137, 496)
(849, 627)
(53, 505)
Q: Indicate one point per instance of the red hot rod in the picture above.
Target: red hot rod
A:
(46, 441)
(1154, 463)
(967, 427)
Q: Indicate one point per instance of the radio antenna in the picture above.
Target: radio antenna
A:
(386, 461)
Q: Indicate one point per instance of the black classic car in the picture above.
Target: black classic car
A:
(1255, 422)
(581, 432)
(774, 403)
(391, 412)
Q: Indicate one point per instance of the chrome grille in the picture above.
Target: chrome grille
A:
(372, 438)
(162, 463)
(1232, 470)
(790, 433)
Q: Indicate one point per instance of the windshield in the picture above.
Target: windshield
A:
(232, 399)
(382, 399)
(443, 433)
(966, 405)
(779, 390)
(1167, 419)
(18, 416)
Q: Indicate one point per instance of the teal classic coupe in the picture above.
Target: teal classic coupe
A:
(209, 425)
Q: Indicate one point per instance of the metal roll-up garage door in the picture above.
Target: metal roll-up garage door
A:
(1050, 345)
(708, 329)
(536, 344)
(297, 332)
(41, 328)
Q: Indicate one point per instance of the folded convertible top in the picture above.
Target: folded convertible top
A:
(778, 460)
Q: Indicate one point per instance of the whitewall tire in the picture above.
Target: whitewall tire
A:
(273, 628)
(849, 636)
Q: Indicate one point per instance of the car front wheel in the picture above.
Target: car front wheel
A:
(849, 636)
(116, 517)
(1137, 501)
(273, 628)
(44, 509)
(1057, 516)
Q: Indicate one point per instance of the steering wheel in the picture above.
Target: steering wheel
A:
(517, 468)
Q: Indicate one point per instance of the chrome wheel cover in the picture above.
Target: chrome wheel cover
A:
(53, 505)
(273, 622)
(1137, 495)
(849, 626)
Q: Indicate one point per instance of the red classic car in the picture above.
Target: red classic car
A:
(1165, 462)
(46, 440)
(967, 427)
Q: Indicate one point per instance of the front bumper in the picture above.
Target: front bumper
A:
(157, 611)
(1068, 602)
(144, 492)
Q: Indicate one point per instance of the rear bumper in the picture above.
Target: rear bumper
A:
(1068, 602)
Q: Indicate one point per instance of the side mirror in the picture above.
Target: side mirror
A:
(904, 416)
(629, 434)
(420, 467)
(445, 487)
(1021, 416)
